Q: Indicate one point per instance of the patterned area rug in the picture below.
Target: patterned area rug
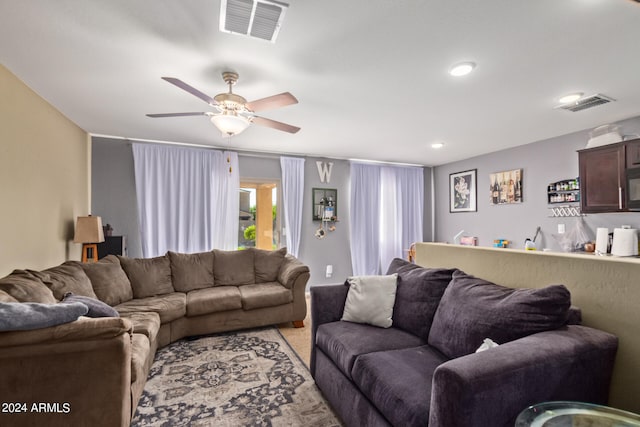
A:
(247, 378)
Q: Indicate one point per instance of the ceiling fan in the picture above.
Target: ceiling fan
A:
(234, 113)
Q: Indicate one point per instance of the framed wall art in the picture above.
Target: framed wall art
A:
(463, 191)
(505, 187)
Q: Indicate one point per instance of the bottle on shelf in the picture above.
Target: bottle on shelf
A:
(329, 209)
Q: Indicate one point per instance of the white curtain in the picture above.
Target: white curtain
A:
(364, 219)
(387, 206)
(225, 196)
(292, 196)
(402, 192)
(187, 198)
(390, 217)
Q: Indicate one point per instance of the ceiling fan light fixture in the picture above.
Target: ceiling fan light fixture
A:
(229, 123)
(462, 69)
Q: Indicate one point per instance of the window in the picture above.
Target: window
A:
(259, 224)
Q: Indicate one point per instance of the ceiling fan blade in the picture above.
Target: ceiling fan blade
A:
(271, 102)
(176, 114)
(192, 90)
(274, 124)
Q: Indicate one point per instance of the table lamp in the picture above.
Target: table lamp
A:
(89, 232)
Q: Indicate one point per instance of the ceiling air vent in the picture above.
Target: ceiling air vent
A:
(586, 102)
(260, 19)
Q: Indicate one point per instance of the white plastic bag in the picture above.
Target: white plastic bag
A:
(574, 239)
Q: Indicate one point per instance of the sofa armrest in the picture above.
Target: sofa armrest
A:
(294, 275)
(76, 374)
(327, 305)
(492, 387)
(82, 329)
(290, 270)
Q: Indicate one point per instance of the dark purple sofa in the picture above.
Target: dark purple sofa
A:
(424, 369)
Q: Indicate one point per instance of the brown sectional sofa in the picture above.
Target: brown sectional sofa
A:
(92, 371)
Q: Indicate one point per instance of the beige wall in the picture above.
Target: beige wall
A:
(607, 289)
(44, 179)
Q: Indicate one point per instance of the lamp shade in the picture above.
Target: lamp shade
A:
(230, 123)
(89, 230)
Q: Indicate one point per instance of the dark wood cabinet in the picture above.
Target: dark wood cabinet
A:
(632, 175)
(610, 177)
(633, 154)
(112, 245)
(602, 178)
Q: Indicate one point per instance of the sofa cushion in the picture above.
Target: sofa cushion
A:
(398, 382)
(140, 349)
(370, 300)
(232, 268)
(342, 341)
(473, 309)
(191, 271)
(149, 276)
(24, 316)
(25, 287)
(169, 307)
(67, 277)
(109, 281)
(146, 323)
(264, 295)
(418, 295)
(212, 300)
(267, 264)
(96, 307)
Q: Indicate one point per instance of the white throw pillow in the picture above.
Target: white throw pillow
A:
(370, 300)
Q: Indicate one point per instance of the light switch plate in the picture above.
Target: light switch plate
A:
(561, 229)
(329, 271)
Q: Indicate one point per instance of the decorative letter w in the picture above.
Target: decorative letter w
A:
(324, 171)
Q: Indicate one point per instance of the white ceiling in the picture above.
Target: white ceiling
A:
(371, 76)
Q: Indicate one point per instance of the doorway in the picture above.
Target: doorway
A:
(259, 225)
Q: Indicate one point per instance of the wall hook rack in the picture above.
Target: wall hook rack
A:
(565, 211)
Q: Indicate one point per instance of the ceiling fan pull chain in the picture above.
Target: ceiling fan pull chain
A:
(229, 155)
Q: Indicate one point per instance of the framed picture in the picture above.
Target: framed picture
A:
(505, 187)
(462, 191)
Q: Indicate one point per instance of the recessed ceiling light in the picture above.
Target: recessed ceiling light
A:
(462, 69)
(572, 97)
(437, 145)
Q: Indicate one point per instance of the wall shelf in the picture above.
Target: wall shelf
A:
(566, 191)
(325, 204)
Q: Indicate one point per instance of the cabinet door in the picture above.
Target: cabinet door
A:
(602, 179)
(633, 154)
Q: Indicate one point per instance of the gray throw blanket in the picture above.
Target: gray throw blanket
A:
(22, 316)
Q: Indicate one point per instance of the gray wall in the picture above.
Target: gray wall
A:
(542, 162)
(334, 247)
(113, 190)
